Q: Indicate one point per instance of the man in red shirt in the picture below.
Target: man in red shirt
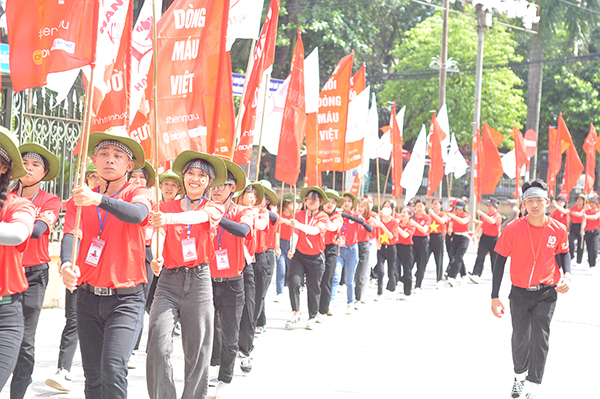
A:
(592, 228)
(560, 213)
(576, 229)
(109, 271)
(490, 230)
(460, 219)
(534, 244)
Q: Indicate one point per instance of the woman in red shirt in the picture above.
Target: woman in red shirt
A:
(17, 217)
(437, 233)
(387, 237)
(364, 235)
(592, 228)
(285, 234)
(331, 250)
(460, 241)
(421, 239)
(576, 228)
(405, 246)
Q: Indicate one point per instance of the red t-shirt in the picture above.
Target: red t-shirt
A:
(272, 234)
(551, 239)
(492, 230)
(576, 219)
(374, 234)
(560, 217)
(285, 232)
(122, 263)
(592, 224)
(392, 226)
(461, 228)
(424, 221)
(311, 244)
(47, 208)
(12, 276)
(203, 234)
(411, 230)
(261, 235)
(436, 227)
(363, 234)
(234, 245)
(349, 229)
(330, 236)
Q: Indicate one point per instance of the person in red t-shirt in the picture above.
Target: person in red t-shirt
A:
(41, 165)
(307, 262)
(17, 218)
(592, 230)
(576, 230)
(534, 243)
(422, 222)
(331, 249)
(109, 269)
(184, 292)
(405, 245)
(285, 234)
(364, 249)
(460, 241)
(387, 238)
(560, 213)
(489, 230)
(170, 186)
(437, 232)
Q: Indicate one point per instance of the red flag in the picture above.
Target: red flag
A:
(434, 150)
(48, 36)
(353, 154)
(264, 55)
(333, 115)
(590, 159)
(223, 140)
(356, 185)
(489, 162)
(397, 164)
(573, 165)
(520, 154)
(554, 158)
(191, 48)
(287, 167)
(477, 166)
(313, 175)
(358, 82)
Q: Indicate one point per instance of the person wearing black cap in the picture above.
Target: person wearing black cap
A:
(576, 230)
(460, 241)
(592, 229)
(537, 245)
(490, 230)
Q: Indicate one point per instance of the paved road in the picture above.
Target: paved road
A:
(442, 343)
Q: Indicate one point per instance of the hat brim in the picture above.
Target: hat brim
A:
(134, 146)
(340, 200)
(53, 162)
(304, 192)
(259, 188)
(354, 199)
(151, 173)
(189, 155)
(9, 142)
(238, 174)
(171, 175)
(270, 194)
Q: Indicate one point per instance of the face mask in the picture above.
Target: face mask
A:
(370, 206)
(386, 211)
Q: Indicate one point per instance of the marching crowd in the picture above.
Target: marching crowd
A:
(200, 262)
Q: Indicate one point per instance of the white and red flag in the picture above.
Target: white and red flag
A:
(244, 20)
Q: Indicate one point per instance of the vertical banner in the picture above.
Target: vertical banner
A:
(434, 150)
(589, 147)
(313, 177)
(358, 82)
(396, 135)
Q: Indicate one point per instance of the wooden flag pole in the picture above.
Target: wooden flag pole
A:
(262, 124)
(378, 187)
(238, 119)
(155, 113)
(293, 243)
(386, 181)
(333, 181)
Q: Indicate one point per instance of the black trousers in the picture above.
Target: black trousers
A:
(147, 287)
(362, 270)
(229, 305)
(69, 337)
(327, 279)
(263, 274)
(387, 253)
(248, 321)
(436, 247)
(448, 242)
(575, 235)
(531, 313)
(460, 244)
(486, 245)
(421, 250)
(405, 258)
(32, 301)
(313, 267)
(11, 334)
(591, 242)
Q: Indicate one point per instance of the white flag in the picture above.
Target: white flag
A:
(371, 137)
(358, 114)
(244, 20)
(400, 119)
(384, 147)
(509, 165)
(412, 176)
(311, 82)
(273, 119)
(455, 163)
(442, 120)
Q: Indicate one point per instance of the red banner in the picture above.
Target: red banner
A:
(47, 36)
(313, 175)
(223, 140)
(488, 162)
(353, 154)
(264, 55)
(590, 159)
(358, 82)
(434, 150)
(356, 185)
(397, 165)
(287, 167)
(333, 116)
(573, 165)
(520, 154)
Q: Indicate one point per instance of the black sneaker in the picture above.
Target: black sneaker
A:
(517, 388)
(246, 364)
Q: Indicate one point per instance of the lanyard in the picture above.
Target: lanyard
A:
(188, 208)
(309, 223)
(537, 252)
(222, 229)
(36, 194)
(101, 222)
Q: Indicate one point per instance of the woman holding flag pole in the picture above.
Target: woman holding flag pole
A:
(331, 251)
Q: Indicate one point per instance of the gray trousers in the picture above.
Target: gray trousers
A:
(182, 295)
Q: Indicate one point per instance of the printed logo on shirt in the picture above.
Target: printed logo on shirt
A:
(551, 242)
(564, 246)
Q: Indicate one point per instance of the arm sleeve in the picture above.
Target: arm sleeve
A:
(236, 229)
(66, 248)
(273, 216)
(368, 227)
(564, 261)
(126, 212)
(498, 274)
(13, 234)
(39, 228)
(353, 218)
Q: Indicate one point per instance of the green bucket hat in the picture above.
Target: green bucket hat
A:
(190, 155)
(269, 191)
(53, 162)
(151, 173)
(332, 194)
(170, 175)
(10, 144)
(304, 192)
(122, 137)
(289, 197)
(238, 173)
(90, 168)
(354, 199)
(259, 188)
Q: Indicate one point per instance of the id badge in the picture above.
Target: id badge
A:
(343, 241)
(222, 259)
(188, 248)
(93, 255)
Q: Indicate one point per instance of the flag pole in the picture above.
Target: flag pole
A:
(386, 181)
(262, 124)
(293, 243)
(333, 181)
(155, 112)
(378, 186)
(238, 119)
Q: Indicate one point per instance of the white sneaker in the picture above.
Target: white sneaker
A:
(417, 290)
(349, 308)
(320, 318)
(213, 382)
(278, 298)
(464, 280)
(60, 381)
(310, 324)
(439, 285)
(452, 282)
(474, 278)
(221, 390)
(293, 321)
